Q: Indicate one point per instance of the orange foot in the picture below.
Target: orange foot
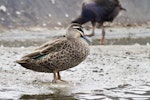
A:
(59, 81)
(101, 41)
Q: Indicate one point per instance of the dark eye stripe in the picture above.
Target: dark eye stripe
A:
(80, 30)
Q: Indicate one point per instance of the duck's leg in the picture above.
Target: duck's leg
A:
(93, 29)
(55, 77)
(59, 77)
(103, 35)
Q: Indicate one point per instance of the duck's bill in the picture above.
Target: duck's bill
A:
(87, 38)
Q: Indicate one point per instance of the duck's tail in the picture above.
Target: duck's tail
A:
(22, 61)
(32, 65)
(26, 63)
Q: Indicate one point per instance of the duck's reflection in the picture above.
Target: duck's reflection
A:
(59, 91)
(48, 96)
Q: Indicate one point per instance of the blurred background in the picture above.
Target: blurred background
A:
(59, 13)
(21, 20)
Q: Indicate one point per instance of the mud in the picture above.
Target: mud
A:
(110, 72)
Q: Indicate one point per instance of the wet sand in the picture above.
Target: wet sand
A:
(109, 72)
(116, 71)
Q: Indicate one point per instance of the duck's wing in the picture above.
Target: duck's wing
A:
(49, 47)
(46, 44)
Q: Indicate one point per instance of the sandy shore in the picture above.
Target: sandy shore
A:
(108, 72)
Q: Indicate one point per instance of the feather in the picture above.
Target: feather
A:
(47, 48)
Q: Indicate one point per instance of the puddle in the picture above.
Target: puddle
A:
(114, 36)
(121, 41)
(127, 93)
(124, 41)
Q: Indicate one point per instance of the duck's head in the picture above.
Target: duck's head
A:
(76, 31)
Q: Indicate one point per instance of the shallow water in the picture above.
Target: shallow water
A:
(112, 72)
(114, 36)
(118, 93)
(108, 73)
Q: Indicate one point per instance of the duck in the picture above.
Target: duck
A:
(58, 54)
(98, 11)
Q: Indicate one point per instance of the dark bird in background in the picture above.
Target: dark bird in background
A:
(99, 11)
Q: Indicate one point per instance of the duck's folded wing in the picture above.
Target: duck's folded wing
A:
(49, 47)
(46, 44)
(34, 54)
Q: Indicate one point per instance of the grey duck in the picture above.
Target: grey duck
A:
(58, 54)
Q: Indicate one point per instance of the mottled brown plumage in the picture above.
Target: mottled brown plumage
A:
(58, 54)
